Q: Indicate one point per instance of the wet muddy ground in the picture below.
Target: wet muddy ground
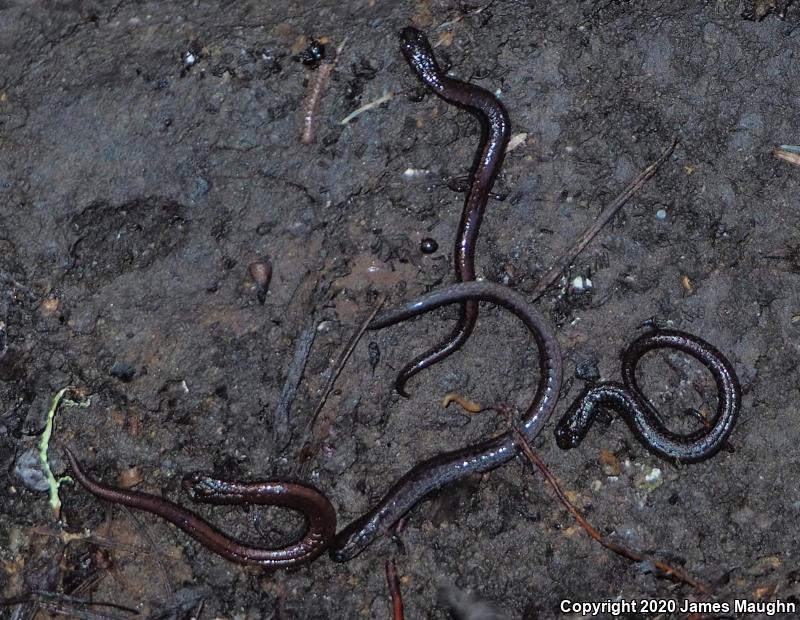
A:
(150, 153)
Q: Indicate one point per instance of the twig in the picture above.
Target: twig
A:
(788, 153)
(605, 216)
(394, 590)
(309, 450)
(670, 571)
(366, 107)
(280, 417)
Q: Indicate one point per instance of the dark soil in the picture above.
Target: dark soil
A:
(150, 153)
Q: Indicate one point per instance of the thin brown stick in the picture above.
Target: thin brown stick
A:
(605, 217)
(309, 449)
(668, 570)
(394, 590)
(788, 153)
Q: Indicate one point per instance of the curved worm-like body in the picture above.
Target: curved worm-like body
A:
(495, 128)
(449, 467)
(314, 506)
(628, 400)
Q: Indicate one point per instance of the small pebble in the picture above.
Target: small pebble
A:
(201, 188)
(261, 272)
(587, 370)
(374, 354)
(130, 477)
(50, 305)
(654, 475)
(28, 469)
(649, 480)
(428, 245)
(122, 371)
(413, 173)
(579, 284)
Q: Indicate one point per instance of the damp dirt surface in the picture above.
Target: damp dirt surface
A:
(151, 154)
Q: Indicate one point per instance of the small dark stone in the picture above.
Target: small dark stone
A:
(28, 469)
(587, 370)
(122, 371)
(374, 354)
(261, 272)
(428, 245)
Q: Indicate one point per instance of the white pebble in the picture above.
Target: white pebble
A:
(654, 475)
(580, 284)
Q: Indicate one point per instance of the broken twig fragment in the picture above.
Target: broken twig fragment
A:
(281, 429)
(367, 106)
(788, 153)
(311, 444)
(668, 570)
(605, 217)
